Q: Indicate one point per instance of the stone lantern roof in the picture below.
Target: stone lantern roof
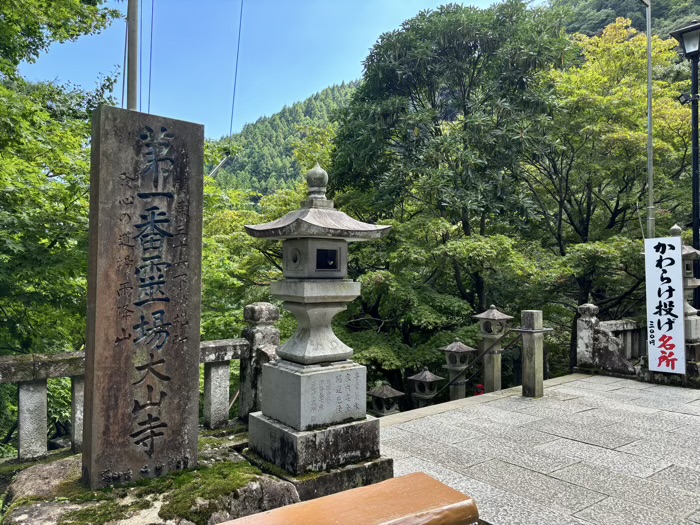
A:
(689, 252)
(317, 218)
(426, 376)
(385, 392)
(458, 347)
(492, 314)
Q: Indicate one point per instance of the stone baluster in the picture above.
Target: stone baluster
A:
(264, 339)
(32, 423)
(77, 387)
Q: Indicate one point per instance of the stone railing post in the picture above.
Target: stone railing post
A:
(533, 353)
(77, 403)
(32, 424)
(585, 334)
(216, 357)
(264, 339)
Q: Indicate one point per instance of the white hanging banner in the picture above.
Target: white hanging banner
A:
(665, 300)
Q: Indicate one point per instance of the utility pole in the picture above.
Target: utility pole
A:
(132, 71)
(651, 211)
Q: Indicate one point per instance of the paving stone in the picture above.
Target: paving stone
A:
(606, 437)
(439, 431)
(684, 478)
(448, 456)
(613, 459)
(518, 435)
(675, 454)
(476, 489)
(386, 433)
(603, 380)
(666, 404)
(596, 385)
(695, 518)
(613, 511)
(515, 510)
(561, 496)
(522, 455)
(631, 489)
(497, 415)
(392, 452)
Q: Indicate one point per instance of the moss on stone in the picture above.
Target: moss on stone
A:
(102, 513)
(209, 484)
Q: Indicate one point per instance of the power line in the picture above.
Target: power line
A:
(235, 74)
(150, 58)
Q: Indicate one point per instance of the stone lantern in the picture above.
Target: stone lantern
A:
(493, 325)
(425, 387)
(313, 410)
(691, 319)
(458, 357)
(384, 400)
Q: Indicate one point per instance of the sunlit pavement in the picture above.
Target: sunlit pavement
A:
(594, 449)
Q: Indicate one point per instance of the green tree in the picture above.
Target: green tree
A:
(28, 27)
(437, 125)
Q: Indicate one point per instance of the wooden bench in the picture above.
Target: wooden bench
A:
(416, 499)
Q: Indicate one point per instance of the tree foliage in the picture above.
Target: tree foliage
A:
(590, 17)
(28, 27)
(263, 157)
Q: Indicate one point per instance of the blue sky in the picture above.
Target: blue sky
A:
(289, 50)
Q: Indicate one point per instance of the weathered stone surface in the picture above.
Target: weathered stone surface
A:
(261, 313)
(41, 481)
(533, 354)
(32, 420)
(312, 451)
(264, 340)
(345, 478)
(586, 325)
(16, 368)
(42, 485)
(217, 377)
(77, 412)
(144, 297)
(307, 397)
(223, 350)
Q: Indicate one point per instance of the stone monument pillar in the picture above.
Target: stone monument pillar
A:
(144, 297)
(313, 414)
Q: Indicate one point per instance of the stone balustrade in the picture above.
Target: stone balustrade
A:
(32, 371)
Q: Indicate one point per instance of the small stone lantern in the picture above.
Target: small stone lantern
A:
(493, 325)
(692, 321)
(313, 414)
(458, 357)
(384, 400)
(425, 387)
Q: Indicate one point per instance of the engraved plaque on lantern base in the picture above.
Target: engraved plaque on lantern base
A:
(313, 396)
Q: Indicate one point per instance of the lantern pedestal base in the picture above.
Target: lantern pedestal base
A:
(300, 452)
(318, 484)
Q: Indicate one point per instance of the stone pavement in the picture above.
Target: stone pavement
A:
(593, 450)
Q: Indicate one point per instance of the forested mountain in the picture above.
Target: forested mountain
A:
(591, 16)
(262, 153)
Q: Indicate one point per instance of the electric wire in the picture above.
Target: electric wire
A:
(150, 57)
(235, 75)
